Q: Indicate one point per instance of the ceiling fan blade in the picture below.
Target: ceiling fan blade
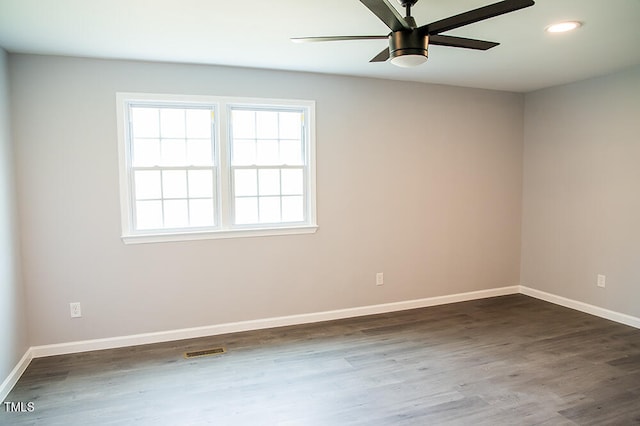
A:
(387, 14)
(382, 56)
(467, 43)
(475, 15)
(337, 38)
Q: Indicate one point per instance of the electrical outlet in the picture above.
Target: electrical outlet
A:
(76, 311)
(379, 278)
(602, 281)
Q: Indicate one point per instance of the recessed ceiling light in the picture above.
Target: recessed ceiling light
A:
(562, 27)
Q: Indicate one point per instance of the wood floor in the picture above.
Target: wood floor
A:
(509, 360)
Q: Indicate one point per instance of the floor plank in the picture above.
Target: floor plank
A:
(504, 360)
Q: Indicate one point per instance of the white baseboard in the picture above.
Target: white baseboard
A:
(582, 307)
(15, 374)
(234, 327)
(217, 329)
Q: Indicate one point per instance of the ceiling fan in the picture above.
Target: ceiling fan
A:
(408, 43)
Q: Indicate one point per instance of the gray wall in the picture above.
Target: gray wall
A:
(13, 324)
(421, 182)
(581, 202)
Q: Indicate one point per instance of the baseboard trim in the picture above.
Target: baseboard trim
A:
(217, 329)
(15, 374)
(582, 307)
(234, 327)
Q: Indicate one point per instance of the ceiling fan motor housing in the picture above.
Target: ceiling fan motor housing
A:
(408, 43)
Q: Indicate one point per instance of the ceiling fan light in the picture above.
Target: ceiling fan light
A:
(408, 61)
(408, 49)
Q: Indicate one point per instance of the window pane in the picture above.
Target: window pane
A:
(172, 123)
(148, 215)
(269, 209)
(174, 152)
(200, 183)
(147, 184)
(174, 184)
(290, 124)
(199, 123)
(176, 214)
(246, 210)
(199, 152)
(244, 124)
(201, 212)
(268, 152)
(269, 183)
(291, 152)
(244, 152)
(245, 182)
(266, 125)
(292, 209)
(292, 182)
(146, 152)
(146, 122)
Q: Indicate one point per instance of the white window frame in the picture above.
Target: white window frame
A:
(223, 203)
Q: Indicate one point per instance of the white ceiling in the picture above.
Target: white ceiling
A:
(255, 33)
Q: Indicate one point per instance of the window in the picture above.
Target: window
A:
(173, 167)
(209, 167)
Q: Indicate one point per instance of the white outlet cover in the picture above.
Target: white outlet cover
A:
(75, 309)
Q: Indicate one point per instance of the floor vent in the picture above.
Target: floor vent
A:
(205, 352)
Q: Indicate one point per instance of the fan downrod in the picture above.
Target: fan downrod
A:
(407, 6)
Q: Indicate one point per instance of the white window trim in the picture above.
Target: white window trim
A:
(223, 105)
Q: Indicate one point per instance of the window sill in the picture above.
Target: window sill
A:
(212, 235)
